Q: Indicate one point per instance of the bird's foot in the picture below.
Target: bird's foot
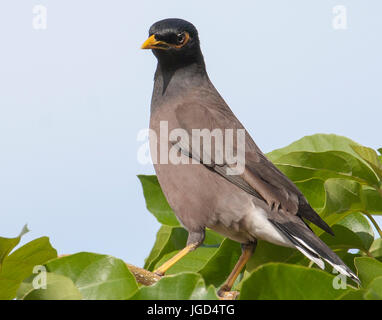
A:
(228, 295)
(159, 274)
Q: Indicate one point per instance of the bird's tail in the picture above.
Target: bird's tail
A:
(314, 248)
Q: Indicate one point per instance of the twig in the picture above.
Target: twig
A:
(373, 222)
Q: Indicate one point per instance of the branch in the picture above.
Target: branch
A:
(143, 276)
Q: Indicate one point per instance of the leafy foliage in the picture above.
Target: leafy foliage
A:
(96, 276)
(340, 178)
(20, 264)
(58, 287)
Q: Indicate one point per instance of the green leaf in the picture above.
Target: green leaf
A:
(371, 157)
(353, 295)
(352, 232)
(360, 225)
(212, 238)
(192, 262)
(373, 201)
(58, 287)
(184, 286)
(20, 264)
(376, 248)
(278, 281)
(196, 259)
(168, 240)
(344, 238)
(221, 263)
(316, 143)
(368, 269)
(303, 165)
(314, 192)
(267, 252)
(374, 289)
(172, 239)
(96, 276)
(7, 244)
(156, 202)
(343, 196)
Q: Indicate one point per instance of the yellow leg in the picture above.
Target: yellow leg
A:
(245, 256)
(168, 264)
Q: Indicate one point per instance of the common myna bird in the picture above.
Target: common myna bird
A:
(204, 186)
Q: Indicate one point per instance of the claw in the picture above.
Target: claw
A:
(228, 295)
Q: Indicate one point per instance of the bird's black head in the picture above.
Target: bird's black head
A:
(174, 42)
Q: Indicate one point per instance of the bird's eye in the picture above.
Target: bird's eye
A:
(180, 38)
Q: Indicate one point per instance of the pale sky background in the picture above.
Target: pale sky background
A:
(74, 96)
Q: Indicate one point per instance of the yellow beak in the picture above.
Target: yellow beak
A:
(152, 43)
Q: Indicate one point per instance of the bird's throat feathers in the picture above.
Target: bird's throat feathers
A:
(183, 72)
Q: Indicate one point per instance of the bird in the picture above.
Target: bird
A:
(247, 200)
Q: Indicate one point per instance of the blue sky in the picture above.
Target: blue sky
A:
(74, 96)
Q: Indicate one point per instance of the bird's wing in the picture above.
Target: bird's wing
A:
(259, 177)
